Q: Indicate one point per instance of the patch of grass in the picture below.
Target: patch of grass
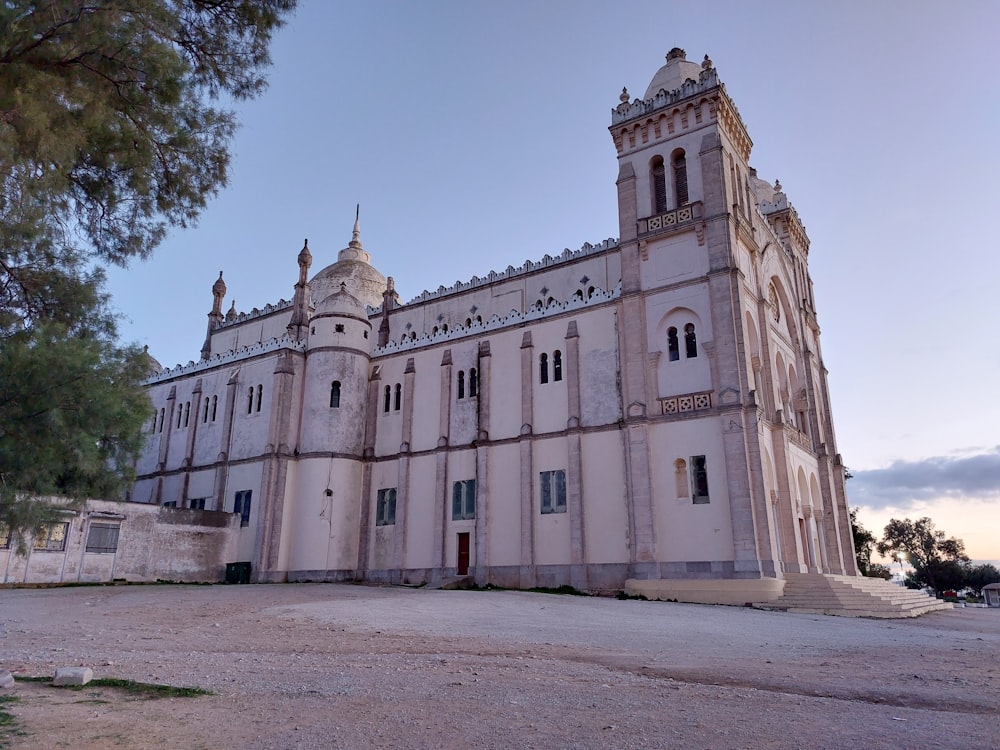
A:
(6, 719)
(146, 690)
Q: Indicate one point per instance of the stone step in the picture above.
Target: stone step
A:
(851, 596)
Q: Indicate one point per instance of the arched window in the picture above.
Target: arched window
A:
(658, 176)
(413, 335)
(539, 304)
(550, 301)
(578, 294)
(673, 347)
(388, 399)
(399, 398)
(590, 292)
(461, 384)
(335, 395)
(250, 401)
(162, 414)
(434, 331)
(402, 339)
(468, 322)
(680, 176)
(479, 319)
(204, 417)
(260, 394)
(180, 415)
(681, 477)
(473, 382)
(543, 368)
(690, 341)
(556, 366)
(215, 403)
(444, 328)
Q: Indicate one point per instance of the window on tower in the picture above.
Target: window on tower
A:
(679, 163)
(335, 395)
(658, 176)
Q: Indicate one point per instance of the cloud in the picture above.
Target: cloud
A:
(903, 483)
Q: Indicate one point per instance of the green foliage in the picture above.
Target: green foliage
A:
(978, 576)
(864, 543)
(938, 562)
(145, 690)
(110, 133)
(878, 570)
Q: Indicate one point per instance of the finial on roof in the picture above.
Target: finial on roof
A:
(305, 257)
(706, 63)
(219, 287)
(676, 54)
(777, 186)
(356, 234)
(624, 97)
(231, 315)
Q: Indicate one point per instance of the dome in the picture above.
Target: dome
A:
(354, 270)
(672, 75)
(341, 302)
(153, 366)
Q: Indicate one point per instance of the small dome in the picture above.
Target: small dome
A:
(672, 75)
(153, 365)
(341, 302)
(352, 269)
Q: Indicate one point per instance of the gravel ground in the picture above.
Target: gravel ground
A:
(336, 666)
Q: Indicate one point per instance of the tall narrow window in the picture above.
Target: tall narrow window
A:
(398, 403)
(241, 505)
(659, 177)
(463, 500)
(461, 384)
(473, 382)
(543, 368)
(250, 401)
(690, 341)
(204, 417)
(387, 400)
(215, 403)
(680, 177)
(260, 394)
(385, 507)
(155, 413)
(162, 414)
(553, 491)
(335, 395)
(681, 477)
(556, 366)
(180, 415)
(187, 412)
(699, 480)
(673, 345)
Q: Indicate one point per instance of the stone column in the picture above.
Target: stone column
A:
(441, 464)
(400, 533)
(574, 469)
(222, 470)
(481, 569)
(527, 573)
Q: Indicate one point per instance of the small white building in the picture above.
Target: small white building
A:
(651, 407)
(991, 594)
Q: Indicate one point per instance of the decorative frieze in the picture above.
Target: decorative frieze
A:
(686, 403)
(681, 217)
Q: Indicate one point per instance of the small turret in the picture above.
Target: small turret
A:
(299, 323)
(214, 317)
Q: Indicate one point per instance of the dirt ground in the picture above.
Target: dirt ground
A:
(337, 666)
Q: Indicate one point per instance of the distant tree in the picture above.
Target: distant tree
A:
(937, 561)
(977, 576)
(864, 543)
(110, 133)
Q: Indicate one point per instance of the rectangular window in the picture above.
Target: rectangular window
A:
(198, 503)
(699, 480)
(103, 537)
(169, 503)
(463, 500)
(385, 507)
(553, 486)
(52, 538)
(241, 505)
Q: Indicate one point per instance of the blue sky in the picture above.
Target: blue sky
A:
(474, 136)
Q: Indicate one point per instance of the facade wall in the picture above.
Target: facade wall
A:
(649, 406)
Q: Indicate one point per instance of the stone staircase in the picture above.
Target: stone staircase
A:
(851, 596)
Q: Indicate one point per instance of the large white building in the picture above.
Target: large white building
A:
(652, 407)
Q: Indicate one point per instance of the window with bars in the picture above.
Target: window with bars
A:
(463, 500)
(679, 161)
(52, 538)
(658, 175)
(103, 537)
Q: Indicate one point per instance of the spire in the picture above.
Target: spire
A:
(299, 322)
(356, 233)
(355, 250)
(214, 317)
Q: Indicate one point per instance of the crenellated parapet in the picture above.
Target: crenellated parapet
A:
(708, 79)
(498, 322)
(781, 214)
(238, 318)
(223, 358)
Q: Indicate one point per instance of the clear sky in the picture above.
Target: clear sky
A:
(474, 136)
